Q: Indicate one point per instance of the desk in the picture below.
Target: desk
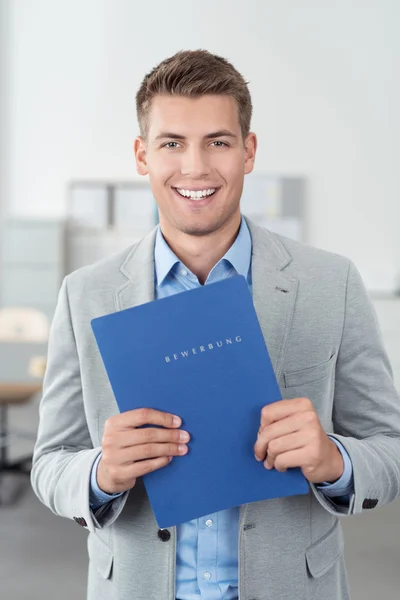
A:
(13, 393)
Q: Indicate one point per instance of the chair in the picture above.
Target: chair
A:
(23, 345)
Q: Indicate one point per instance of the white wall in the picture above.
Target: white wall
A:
(4, 121)
(325, 85)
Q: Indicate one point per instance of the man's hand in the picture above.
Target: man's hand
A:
(291, 435)
(128, 452)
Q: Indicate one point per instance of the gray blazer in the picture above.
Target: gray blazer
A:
(324, 341)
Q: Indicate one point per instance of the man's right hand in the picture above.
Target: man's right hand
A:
(129, 452)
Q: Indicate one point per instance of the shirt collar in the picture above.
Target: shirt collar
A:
(238, 255)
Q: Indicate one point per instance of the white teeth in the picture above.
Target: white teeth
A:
(196, 195)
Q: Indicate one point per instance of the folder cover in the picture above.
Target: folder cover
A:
(199, 354)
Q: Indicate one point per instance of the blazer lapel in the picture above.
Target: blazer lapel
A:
(274, 294)
(138, 267)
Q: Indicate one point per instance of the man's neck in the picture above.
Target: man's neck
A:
(201, 253)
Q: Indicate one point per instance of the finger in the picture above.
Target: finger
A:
(276, 430)
(285, 426)
(148, 451)
(294, 441)
(260, 448)
(144, 416)
(282, 409)
(147, 466)
(128, 473)
(286, 443)
(134, 437)
(291, 459)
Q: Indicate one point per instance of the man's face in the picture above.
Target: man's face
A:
(194, 146)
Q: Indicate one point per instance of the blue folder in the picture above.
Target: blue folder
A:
(199, 354)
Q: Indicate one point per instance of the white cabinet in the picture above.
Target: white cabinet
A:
(388, 311)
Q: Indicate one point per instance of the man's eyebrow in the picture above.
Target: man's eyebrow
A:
(177, 136)
(221, 133)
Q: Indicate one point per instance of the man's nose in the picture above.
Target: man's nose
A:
(195, 163)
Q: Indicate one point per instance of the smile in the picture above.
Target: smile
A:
(196, 195)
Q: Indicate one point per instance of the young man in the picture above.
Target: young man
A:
(340, 417)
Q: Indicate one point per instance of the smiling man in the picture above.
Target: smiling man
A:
(196, 155)
(339, 420)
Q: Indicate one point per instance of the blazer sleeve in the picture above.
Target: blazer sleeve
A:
(366, 408)
(64, 455)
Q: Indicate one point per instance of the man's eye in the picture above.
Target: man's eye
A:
(173, 145)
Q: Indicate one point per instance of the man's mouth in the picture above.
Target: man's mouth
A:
(196, 195)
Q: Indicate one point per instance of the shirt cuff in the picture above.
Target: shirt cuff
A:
(345, 485)
(97, 497)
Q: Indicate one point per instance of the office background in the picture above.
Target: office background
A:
(325, 84)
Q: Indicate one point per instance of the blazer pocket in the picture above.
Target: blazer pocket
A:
(309, 375)
(323, 553)
(101, 555)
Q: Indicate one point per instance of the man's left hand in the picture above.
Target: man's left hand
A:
(291, 435)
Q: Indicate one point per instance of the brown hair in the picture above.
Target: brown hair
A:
(194, 73)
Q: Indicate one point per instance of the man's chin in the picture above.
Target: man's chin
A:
(203, 225)
(199, 229)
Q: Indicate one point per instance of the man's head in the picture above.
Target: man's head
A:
(194, 111)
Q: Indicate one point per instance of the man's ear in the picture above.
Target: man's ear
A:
(139, 150)
(250, 146)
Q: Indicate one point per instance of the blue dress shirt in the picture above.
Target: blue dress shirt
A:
(207, 548)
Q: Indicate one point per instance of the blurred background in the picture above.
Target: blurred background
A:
(325, 84)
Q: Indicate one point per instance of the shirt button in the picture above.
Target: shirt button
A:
(207, 575)
(209, 522)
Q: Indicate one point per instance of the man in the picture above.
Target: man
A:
(340, 417)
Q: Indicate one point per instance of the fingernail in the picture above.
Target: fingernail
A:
(184, 436)
(258, 459)
(177, 421)
(182, 448)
